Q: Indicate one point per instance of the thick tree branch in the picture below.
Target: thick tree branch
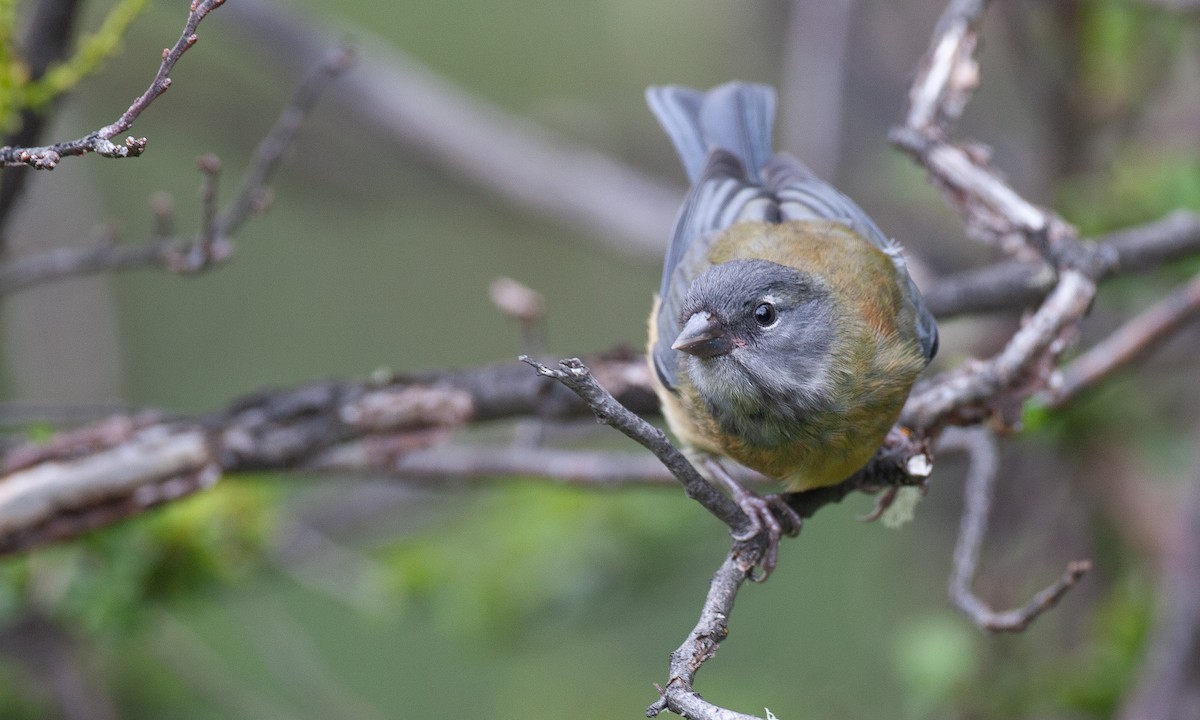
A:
(100, 141)
(106, 471)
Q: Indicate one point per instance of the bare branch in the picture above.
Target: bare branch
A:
(1129, 344)
(980, 446)
(576, 376)
(995, 388)
(979, 390)
(945, 81)
(98, 255)
(211, 244)
(1021, 283)
(250, 198)
(106, 471)
(701, 645)
(100, 141)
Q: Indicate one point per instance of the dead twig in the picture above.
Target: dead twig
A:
(100, 141)
(1014, 284)
(1128, 344)
(578, 378)
(701, 645)
(980, 446)
(211, 245)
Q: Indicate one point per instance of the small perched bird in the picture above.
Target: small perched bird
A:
(787, 332)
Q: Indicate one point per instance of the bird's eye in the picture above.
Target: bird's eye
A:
(765, 314)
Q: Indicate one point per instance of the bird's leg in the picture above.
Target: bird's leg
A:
(762, 513)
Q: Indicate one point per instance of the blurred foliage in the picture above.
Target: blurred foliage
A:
(949, 669)
(937, 659)
(1143, 182)
(106, 582)
(1115, 54)
(1095, 679)
(528, 551)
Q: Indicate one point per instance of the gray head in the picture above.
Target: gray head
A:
(756, 343)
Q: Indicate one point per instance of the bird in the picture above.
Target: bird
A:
(787, 332)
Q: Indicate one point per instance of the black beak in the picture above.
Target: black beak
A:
(703, 337)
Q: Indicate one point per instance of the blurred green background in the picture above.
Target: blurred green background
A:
(307, 597)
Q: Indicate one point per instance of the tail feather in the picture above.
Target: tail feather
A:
(737, 117)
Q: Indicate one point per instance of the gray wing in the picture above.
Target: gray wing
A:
(736, 117)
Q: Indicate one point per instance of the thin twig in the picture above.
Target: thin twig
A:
(211, 245)
(701, 645)
(1128, 344)
(980, 446)
(466, 463)
(250, 199)
(47, 157)
(575, 375)
(202, 252)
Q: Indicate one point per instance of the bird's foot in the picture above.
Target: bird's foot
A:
(768, 514)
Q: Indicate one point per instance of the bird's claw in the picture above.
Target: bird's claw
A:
(765, 513)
